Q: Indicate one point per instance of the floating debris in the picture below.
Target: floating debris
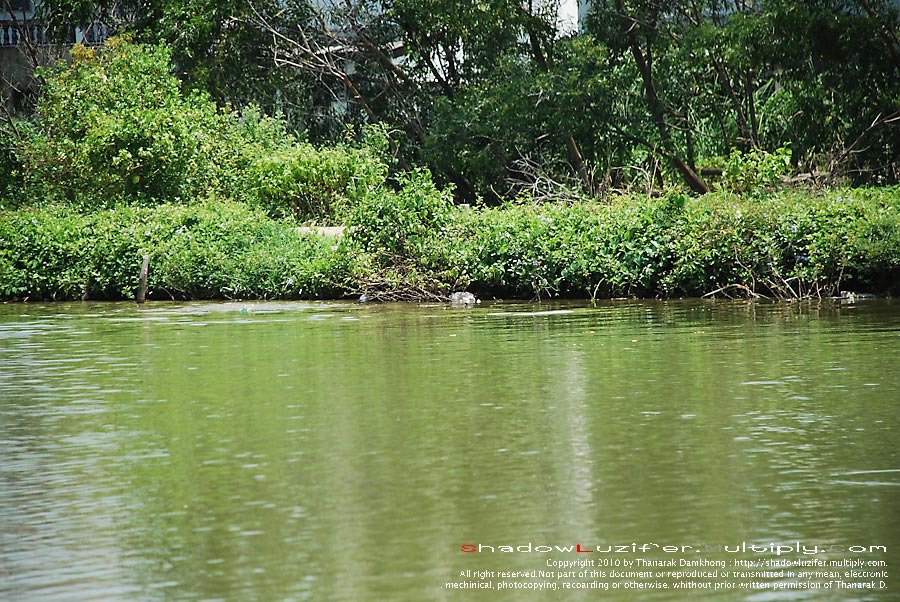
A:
(851, 297)
(463, 298)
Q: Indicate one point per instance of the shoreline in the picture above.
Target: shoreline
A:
(787, 246)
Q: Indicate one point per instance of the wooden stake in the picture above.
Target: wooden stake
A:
(142, 286)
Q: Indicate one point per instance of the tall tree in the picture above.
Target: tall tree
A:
(646, 30)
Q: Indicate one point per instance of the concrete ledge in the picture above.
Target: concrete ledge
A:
(331, 231)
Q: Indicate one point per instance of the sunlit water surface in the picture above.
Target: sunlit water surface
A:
(344, 452)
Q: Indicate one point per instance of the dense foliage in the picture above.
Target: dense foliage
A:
(113, 126)
(209, 250)
(495, 98)
(411, 244)
(122, 159)
(786, 246)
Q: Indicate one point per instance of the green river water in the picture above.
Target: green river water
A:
(345, 452)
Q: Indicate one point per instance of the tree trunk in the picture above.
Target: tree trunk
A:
(577, 162)
(574, 154)
(694, 181)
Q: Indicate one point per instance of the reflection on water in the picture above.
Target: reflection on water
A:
(325, 452)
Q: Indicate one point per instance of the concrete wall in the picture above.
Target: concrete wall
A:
(17, 83)
(16, 78)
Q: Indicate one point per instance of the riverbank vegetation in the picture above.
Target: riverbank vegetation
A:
(657, 153)
(414, 244)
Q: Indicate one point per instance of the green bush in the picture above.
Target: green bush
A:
(10, 167)
(787, 245)
(572, 250)
(407, 223)
(784, 245)
(756, 170)
(205, 250)
(412, 243)
(311, 183)
(226, 250)
(114, 125)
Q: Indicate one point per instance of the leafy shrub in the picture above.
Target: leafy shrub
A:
(10, 167)
(205, 250)
(307, 182)
(406, 223)
(412, 241)
(113, 125)
(756, 170)
(226, 250)
(573, 250)
(787, 245)
(782, 245)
